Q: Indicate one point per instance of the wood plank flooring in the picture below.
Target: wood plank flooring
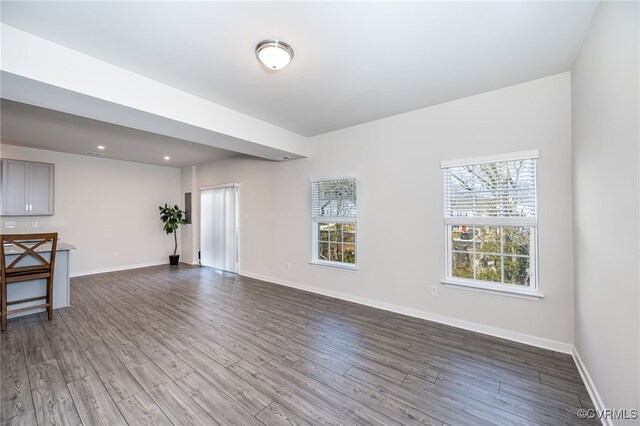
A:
(194, 346)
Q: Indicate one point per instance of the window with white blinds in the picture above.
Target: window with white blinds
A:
(334, 198)
(334, 211)
(490, 217)
(483, 193)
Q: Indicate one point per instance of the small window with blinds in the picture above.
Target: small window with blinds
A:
(334, 211)
(490, 219)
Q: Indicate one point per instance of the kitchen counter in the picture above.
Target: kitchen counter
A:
(34, 288)
(45, 248)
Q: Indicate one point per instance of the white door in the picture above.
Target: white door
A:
(219, 227)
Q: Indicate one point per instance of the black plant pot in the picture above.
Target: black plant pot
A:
(174, 259)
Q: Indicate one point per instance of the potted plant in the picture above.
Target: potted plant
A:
(172, 219)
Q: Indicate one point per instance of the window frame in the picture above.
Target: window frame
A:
(532, 291)
(315, 221)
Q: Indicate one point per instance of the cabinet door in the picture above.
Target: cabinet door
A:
(40, 189)
(14, 187)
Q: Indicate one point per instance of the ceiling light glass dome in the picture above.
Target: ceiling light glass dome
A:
(274, 54)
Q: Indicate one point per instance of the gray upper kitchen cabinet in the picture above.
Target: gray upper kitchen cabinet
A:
(41, 188)
(15, 177)
(27, 188)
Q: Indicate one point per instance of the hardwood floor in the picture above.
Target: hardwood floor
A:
(187, 345)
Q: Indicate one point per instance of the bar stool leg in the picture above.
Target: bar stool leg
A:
(3, 309)
(50, 297)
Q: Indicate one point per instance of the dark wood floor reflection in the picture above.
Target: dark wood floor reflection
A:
(161, 346)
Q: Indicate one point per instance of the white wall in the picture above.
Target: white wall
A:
(401, 235)
(104, 206)
(606, 140)
(189, 247)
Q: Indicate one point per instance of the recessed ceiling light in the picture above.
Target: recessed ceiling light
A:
(100, 147)
(166, 157)
(274, 54)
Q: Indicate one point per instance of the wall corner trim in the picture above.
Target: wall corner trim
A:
(454, 322)
(591, 387)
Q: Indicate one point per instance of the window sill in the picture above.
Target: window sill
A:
(493, 289)
(334, 265)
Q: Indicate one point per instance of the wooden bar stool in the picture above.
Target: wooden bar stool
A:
(14, 272)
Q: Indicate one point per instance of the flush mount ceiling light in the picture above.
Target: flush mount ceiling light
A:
(167, 158)
(100, 147)
(274, 54)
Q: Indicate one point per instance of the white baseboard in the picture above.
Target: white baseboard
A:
(118, 268)
(455, 322)
(591, 387)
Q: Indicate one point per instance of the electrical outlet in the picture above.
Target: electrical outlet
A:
(10, 225)
(288, 265)
(434, 291)
(116, 254)
(35, 224)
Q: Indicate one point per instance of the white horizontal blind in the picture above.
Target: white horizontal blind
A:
(490, 193)
(218, 228)
(334, 200)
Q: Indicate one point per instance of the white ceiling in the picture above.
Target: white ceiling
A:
(354, 61)
(35, 127)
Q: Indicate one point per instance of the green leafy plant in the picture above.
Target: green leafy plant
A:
(172, 219)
